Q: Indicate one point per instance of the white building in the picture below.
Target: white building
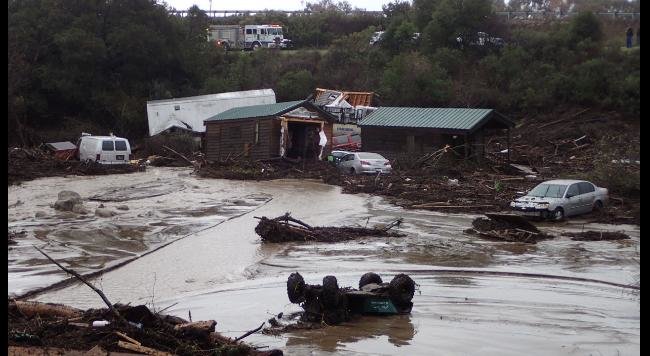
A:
(189, 113)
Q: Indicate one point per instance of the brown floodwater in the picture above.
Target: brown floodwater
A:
(473, 296)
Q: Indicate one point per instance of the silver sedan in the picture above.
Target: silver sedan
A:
(364, 162)
(560, 198)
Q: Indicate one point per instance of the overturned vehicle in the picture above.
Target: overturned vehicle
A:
(331, 304)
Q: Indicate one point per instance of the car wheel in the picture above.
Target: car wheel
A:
(598, 206)
(401, 289)
(369, 278)
(352, 171)
(558, 214)
(296, 288)
(256, 46)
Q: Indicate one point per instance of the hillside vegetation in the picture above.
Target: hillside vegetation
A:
(91, 66)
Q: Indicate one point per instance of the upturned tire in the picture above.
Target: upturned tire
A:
(401, 289)
(296, 288)
(368, 278)
(330, 295)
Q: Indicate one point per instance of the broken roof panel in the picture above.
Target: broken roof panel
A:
(355, 98)
(326, 97)
(61, 146)
(436, 118)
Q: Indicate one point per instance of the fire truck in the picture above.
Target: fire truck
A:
(248, 37)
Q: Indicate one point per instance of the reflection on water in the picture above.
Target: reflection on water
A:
(398, 329)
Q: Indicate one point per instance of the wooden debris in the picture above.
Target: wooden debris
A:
(284, 228)
(250, 332)
(142, 349)
(197, 327)
(128, 338)
(596, 235)
(30, 309)
(507, 227)
(101, 294)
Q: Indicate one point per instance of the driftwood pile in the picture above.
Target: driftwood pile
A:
(596, 235)
(40, 328)
(506, 227)
(34, 325)
(286, 228)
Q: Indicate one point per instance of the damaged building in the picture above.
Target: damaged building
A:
(287, 129)
(347, 106)
(187, 114)
(418, 130)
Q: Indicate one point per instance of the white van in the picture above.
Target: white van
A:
(104, 149)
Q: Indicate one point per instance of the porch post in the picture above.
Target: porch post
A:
(508, 140)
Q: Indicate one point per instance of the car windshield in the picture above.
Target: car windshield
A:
(548, 191)
(367, 155)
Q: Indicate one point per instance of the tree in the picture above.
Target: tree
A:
(585, 25)
(411, 80)
(451, 18)
(295, 85)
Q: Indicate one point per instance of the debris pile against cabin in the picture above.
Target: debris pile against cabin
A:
(243, 169)
(28, 164)
(596, 235)
(286, 228)
(506, 227)
(34, 325)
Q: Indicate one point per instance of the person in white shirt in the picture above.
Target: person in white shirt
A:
(322, 142)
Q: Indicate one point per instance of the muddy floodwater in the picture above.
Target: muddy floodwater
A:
(189, 245)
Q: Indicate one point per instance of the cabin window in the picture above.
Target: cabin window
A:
(234, 132)
(107, 146)
(263, 31)
(249, 31)
(177, 107)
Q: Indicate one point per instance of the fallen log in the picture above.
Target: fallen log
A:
(29, 309)
(141, 349)
(99, 292)
(197, 327)
(280, 230)
(596, 235)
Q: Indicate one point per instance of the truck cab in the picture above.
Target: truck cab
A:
(247, 37)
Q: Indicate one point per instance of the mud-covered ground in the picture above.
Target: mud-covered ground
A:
(558, 296)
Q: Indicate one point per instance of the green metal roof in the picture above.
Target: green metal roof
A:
(437, 118)
(245, 112)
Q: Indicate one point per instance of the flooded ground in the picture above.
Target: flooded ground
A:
(474, 296)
